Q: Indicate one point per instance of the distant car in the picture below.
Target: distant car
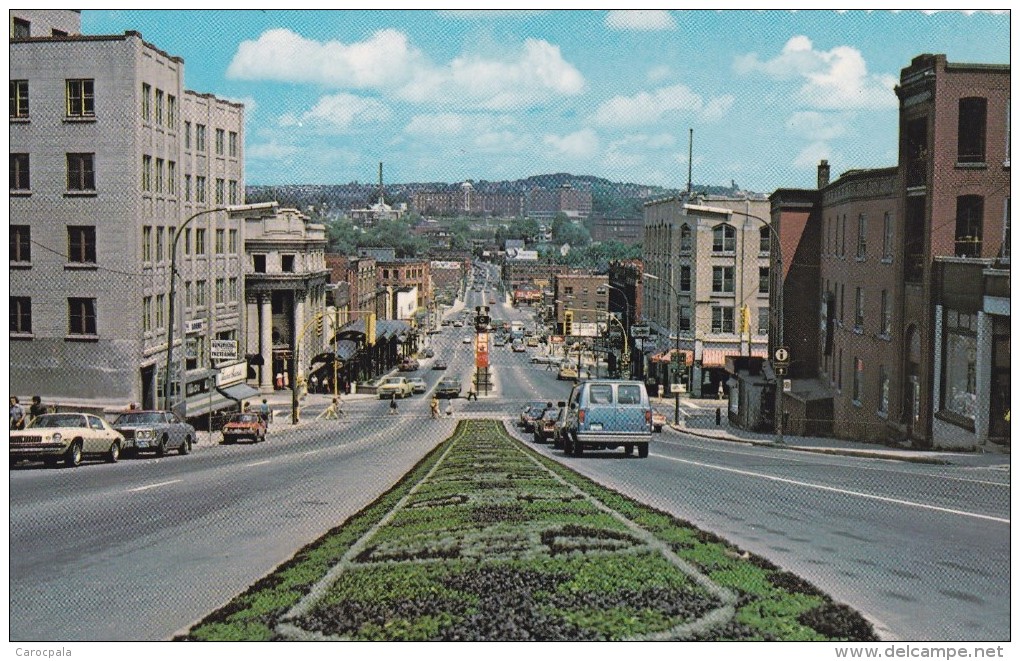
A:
(466, 340)
(395, 387)
(500, 342)
(66, 437)
(448, 388)
(567, 373)
(154, 431)
(417, 384)
(428, 353)
(518, 347)
(528, 413)
(458, 324)
(658, 420)
(561, 419)
(439, 365)
(543, 359)
(492, 302)
(408, 365)
(545, 425)
(244, 425)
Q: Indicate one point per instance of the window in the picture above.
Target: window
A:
(199, 188)
(220, 191)
(862, 236)
(187, 241)
(232, 290)
(232, 244)
(233, 191)
(200, 137)
(722, 320)
(685, 278)
(220, 291)
(21, 243)
(21, 29)
(160, 306)
(220, 137)
(171, 111)
(859, 309)
(259, 263)
(21, 314)
(147, 243)
(722, 279)
(187, 294)
(763, 279)
(970, 133)
(81, 244)
(81, 100)
(763, 321)
(159, 244)
(724, 239)
(685, 238)
(187, 188)
(765, 240)
(685, 318)
(81, 175)
(232, 144)
(885, 326)
(858, 380)
(187, 135)
(19, 173)
(146, 314)
(842, 239)
(959, 394)
(146, 101)
(288, 264)
(200, 293)
(842, 302)
(81, 316)
(160, 167)
(200, 241)
(146, 173)
(171, 178)
(883, 390)
(219, 241)
(970, 211)
(887, 236)
(159, 107)
(19, 99)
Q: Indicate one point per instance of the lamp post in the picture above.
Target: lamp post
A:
(173, 296)
(779, 321)
(676, 410)
(625, 326)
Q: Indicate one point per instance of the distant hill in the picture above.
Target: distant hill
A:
(609, 198)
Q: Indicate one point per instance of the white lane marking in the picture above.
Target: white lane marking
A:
(846, 492)
(259, 463)
(153, 486)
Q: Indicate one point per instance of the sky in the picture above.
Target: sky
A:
(758, 97)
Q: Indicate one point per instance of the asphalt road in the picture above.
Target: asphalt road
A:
(141, 549)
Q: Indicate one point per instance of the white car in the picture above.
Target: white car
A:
(466, 340)
(417, 384)
(66, 437)
(395, 387)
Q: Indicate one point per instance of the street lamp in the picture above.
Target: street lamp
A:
(625, 325)
(676, 411)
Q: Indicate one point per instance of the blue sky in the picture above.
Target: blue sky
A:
(454, 95)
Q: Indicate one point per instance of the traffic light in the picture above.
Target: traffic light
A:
(568, 322)
(482, 323)
(318, 324)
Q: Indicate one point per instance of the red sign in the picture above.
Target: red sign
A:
(556, 339)
(482, 350)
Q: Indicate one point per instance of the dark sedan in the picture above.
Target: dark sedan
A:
(154, 431)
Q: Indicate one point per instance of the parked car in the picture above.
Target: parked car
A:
(245, 425)
(604, 414)
(154, 431)
(518, 347)
(69, 437)
(531, 412)
(448, 388)
(567, 373)
(417, 384)
(658, 420)
(544, 426)
(439, 365)
(395, 387)
(408, 365)
(561, 419)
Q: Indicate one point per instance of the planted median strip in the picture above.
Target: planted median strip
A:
(486, 539)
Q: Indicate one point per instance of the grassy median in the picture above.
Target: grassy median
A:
(486, 539)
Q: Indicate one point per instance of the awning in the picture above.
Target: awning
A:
(207, 401)
(717, 357)
(238, 391)
(667, 356)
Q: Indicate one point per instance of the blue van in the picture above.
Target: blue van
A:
(605, 414)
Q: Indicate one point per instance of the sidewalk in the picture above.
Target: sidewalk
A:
(703, 426)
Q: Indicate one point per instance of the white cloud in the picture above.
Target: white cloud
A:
(835, 79)
(649, 107)
(640, 20)
(388, 63)
(816, 125)
(270, 151)
(488, 133)
(339, 112)
(659, 73)
(810, 155)
(580, 144)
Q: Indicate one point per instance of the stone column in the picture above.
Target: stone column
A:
(299, 342)
(266, 341)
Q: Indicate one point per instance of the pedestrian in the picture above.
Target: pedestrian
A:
(718, 416)
(267, 414)
(17, 414)
(434, 407)
(36, 409)
(313, 382)
(449, 408)
(472, 395)
(332, 411)
(325, 384)
(279, 380)
(393, 405)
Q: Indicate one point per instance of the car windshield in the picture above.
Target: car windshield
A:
(144, 418)
(393, 381)
(59, 420)
(245, 417)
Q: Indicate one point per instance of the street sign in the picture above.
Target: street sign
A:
(677, 387)
(223, 349)
(781, 370)
(781, 355)
(787, 385)
(640, 331)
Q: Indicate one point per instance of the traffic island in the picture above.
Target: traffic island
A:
(488, 540)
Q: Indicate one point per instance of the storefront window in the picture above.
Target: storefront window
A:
(960, 394)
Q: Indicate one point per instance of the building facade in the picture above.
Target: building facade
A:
(629, 231)
(581, 304)
(110, 156)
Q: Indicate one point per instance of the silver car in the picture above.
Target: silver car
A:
(154, 431)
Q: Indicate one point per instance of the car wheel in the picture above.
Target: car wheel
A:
(161, 448)
(113, 454)
(185, 446)
(536, 437)
(73, 456)
(643, 450)
(578, 449)
(628, 449)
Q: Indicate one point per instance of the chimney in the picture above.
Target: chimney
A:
(823, 174)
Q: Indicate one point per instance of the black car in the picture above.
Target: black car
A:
(448, 388)
(439, 365)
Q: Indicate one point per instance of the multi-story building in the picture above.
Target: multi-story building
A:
(628, 231)
(359, 274)
(116, 170)
(581, 304)
(397, 274)
(707, 270)
(546, 203)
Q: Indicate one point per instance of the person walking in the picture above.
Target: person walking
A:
(449, 408)
(313, 384)
(434, 407)
(36, 409)
(264, 410)
(332, 411)
(17, 414)
(393, 405)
